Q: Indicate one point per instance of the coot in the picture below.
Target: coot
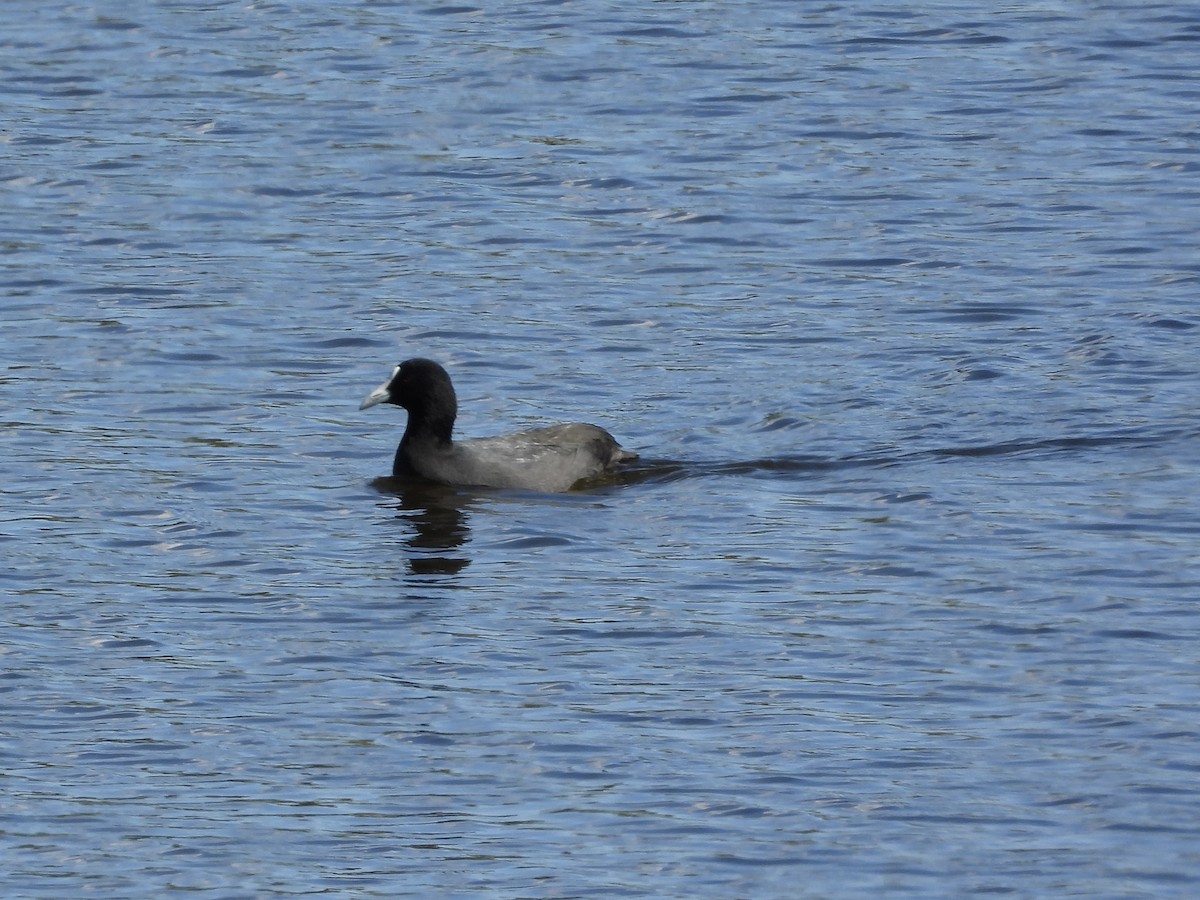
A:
(541, 459)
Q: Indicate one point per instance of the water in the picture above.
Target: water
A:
(898, 305)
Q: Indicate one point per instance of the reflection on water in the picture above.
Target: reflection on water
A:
(435, 520)
(436, 517)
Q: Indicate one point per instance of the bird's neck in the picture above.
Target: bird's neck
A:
(424, 426)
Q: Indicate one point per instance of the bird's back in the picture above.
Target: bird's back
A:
(548, 459)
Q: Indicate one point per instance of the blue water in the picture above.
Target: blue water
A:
(898, 305)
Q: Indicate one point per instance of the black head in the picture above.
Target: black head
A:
(423, 388)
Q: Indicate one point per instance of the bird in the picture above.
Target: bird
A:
(550, 460)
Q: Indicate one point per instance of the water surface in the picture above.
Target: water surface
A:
(898, 306)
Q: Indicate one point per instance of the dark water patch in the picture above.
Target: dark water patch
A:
(904, 498)
(196, 408)
(20, 284)
(532, 542)
(742, 97)
(513, 241)
(450, 10)
(738, 859)
(607, 183)
(312, 660)
(1171, 324)
(458, 336)
(620, 322)
(925, 38)
(882, 262)
(126, 644)
(690, 218)
(1056, 445)
(598, 211)
(653, 636)
(896, 571)
(720, 241)
(656, 31)
(347, 342)
(189, 356)
(974, 111)
(1137, 634)
(677, 269)
(777, 422)
(1122, 43)
(281, 191)
(1019, 631)
(981, 313)
(247, 72)
(852, 134)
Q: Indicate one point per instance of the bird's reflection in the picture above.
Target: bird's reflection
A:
(435, 517)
